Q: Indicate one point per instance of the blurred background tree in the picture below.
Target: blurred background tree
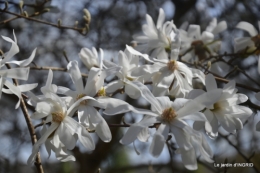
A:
(113, 23)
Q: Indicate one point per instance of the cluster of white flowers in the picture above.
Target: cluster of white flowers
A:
(70, 115)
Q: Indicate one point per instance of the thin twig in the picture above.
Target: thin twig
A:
(37, 163)
(80, 30)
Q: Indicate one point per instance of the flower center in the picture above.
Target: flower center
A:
(168, 115)
(101, 92)
(84, 102)
(172, 65)
(57, 117)
(216, 106)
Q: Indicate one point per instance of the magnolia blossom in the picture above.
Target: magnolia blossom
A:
(157, 38)
(14, 73)
(249, 44)
(63, 126)
(128, 61)
(170, 115)
(91, 58)
(171, 77)
(225, 111)
(87, 113)
(201, 45)
(61, 152)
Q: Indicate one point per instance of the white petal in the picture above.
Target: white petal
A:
(66, 136)
(196, 116)
(194, 32)
(131, 134)
(94, 116)
(41, 141)
(44, 108)
(103, 131)
(15, 90)
(160, 19)
(116, 106)
(76, 104)
(132, 91)
(220, 27)
(95, 82)
(75, 75)
(182, 138)
(188, 158)
(146, 94)
(66, 91)
(16, 73)
(13, 50)
(25, 62)
(83, 135)
(159, 139)
(197, 125)
(38, 115)
(113, 86)
(210, 82)
(247, 27)
(144, 135)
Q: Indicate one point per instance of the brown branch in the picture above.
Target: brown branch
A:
(82, 31)
(37, 163)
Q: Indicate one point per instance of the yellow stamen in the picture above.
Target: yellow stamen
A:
(84, 102)
(57, 117)
(172, 65)
(168, 115)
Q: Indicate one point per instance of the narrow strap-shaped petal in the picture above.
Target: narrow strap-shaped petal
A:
(13, 50)
(147, 95)
(210, 82)
(159, 139)
(72, 107)
(15, 90)
(135, 129)
(95, 82)
(66, 136)
(103, 131)
(25, 62)
(75, 75)
(117, 106)
(83, 135)
(16, 73)
(247, 27)
(220, 27)
(160, 19)
(41, 141)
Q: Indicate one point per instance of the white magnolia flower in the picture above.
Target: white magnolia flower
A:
(171, 77)
(170, 115)
(63, 126)
(87, 113)
(128, 61)
(225, 111)
(61, 152)
(157, 39)
(250, 44)
(91, 58)
(201, 45)
(14, 73)
(18, 90)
